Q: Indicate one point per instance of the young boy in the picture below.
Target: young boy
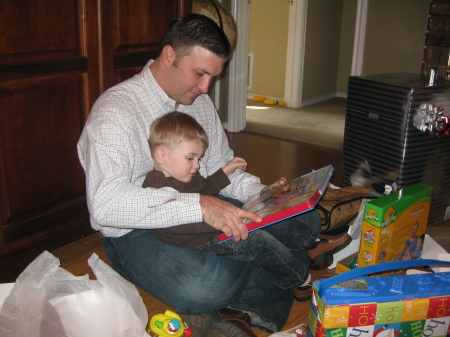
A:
(177, 144)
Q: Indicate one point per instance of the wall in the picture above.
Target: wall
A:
(346, 45)
(269, 21)
(395, 36)
(323, 30)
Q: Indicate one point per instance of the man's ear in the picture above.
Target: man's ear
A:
(160, 155)
(168, 55)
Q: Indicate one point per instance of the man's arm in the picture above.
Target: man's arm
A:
(113, 160)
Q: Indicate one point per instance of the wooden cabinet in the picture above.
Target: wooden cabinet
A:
(56, 58)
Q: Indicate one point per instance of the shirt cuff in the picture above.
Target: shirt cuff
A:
(192, 200)
(255, 188)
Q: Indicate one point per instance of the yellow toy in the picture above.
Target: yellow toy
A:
(272, 102)
(169, 324)
(268, 101)
(259, 98)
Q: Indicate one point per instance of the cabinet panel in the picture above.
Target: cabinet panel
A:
(38, 142)
(56, 58)
(39, 30)
(137, 27)
(139, 24)
(48, 82)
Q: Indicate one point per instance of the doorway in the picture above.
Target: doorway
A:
(237, 96)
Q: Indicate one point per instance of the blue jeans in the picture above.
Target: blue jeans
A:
(288, 266)
(194, 282)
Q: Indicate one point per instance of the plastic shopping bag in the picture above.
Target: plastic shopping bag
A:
(47, 300)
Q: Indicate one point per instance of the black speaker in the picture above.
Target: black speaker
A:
(382, 140)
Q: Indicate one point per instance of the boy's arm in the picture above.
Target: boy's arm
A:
(214, 183)
(234, 164)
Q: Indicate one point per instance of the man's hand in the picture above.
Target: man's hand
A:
(226, 217)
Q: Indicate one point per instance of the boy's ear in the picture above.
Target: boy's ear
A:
(160, 155)
(168, 55)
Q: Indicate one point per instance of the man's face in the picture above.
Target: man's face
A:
(193, 74)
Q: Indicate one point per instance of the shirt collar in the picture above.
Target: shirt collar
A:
(158, 93)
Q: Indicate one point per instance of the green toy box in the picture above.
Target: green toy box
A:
(394, 226)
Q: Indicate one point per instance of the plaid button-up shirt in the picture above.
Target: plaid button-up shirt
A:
(114, 153)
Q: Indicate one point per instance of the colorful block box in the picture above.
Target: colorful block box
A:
(394, 226)
(381, 306)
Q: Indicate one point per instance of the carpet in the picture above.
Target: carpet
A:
(319, 124)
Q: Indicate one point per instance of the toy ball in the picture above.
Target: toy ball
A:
(353, 263)
(168, 324)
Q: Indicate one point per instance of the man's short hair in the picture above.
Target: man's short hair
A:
(196, 30)
(173, 128)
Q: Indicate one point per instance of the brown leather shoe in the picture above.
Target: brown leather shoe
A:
(239, 319)
(303, 293)
(228, 329)
(232, 314)
(328, 245)
(325, 263)
(212, 325)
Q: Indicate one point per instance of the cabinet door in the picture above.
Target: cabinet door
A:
(48, 80)
(134, 31)
(56, 58)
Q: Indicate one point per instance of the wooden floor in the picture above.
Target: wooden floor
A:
(268, 158)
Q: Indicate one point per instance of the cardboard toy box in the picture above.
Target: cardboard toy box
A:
(343, 265)
(350, 304)
(394, 226)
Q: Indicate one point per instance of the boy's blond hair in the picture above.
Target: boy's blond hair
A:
(174, 128)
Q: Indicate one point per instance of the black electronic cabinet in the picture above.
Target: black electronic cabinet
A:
(380, 130)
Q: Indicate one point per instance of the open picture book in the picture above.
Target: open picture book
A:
(274, 204)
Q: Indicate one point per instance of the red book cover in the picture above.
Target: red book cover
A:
(273, 204)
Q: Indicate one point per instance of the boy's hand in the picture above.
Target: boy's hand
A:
(235, 163)
(281, 184)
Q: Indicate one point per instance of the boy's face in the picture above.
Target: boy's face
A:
(183, 160)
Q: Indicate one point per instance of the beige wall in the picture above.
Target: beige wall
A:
(269, 21)
(346, 45)
(323, 30)
(395, 36)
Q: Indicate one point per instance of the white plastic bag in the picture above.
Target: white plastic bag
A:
(48, 301)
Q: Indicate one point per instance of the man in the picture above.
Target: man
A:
(114, 152)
